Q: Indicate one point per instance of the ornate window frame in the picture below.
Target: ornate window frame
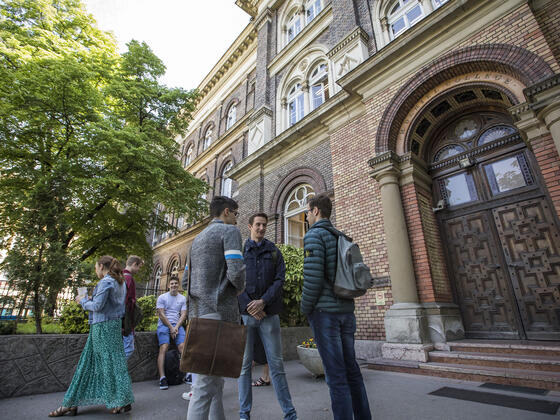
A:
(294, 197)
(294, 16)
(383, 19)
(189, 155)
(231, 117)
(301, 73)
(226, 184)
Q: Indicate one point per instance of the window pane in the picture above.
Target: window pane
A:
(414, 14)
(448, 151)
(300, 110)
(438, 3)
(296, 230)
(398, 26)
(292, 111)
(505, 175)
(317, 95)
(460, 189)
(495, 133)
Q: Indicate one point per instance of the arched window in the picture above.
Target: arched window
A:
(295, 104)
(231, 116)
(207, 138)
(174, 268)
(294, 26)
(157, 279)
(189, 155)
(319, 86)
(294, 214)
(226, 182)
(402, 15)
(312, 9)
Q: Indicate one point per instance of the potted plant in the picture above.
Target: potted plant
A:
(310, 358)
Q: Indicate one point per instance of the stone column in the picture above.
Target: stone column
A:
(540, 115)
(405, 322)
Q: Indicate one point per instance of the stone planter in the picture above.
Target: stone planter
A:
(310, 358)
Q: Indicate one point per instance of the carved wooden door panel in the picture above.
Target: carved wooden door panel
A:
(531, 245)
(481, 284)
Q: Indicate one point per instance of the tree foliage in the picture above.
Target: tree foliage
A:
(87, 147)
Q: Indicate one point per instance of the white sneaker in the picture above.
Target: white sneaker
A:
(187, 395)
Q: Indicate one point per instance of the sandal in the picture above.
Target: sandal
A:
(261, 382)
(62, 411)
(123, 409)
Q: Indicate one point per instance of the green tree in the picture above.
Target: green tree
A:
(87, 149)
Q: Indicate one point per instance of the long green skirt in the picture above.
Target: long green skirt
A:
(102, 374)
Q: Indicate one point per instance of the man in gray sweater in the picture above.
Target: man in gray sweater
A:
(217, 277)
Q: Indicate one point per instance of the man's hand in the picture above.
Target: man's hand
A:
(259, 315)
(255, 306)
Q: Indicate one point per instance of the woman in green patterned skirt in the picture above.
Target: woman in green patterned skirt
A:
(102, 373)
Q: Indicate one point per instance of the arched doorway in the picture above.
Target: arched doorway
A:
(499, 230)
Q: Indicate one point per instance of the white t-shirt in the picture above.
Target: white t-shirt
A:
(172, 306)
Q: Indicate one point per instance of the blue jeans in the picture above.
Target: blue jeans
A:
(128, 342)
(334, 335)
(269, 331)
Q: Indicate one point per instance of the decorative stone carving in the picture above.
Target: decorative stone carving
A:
(349, 52)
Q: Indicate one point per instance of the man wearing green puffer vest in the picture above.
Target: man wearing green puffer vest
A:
(331, 318)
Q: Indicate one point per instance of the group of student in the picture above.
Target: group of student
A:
(235, 282)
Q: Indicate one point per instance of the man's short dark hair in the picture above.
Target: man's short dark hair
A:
(252, 218)
(220, 203)
(323, 203)
(134, 259)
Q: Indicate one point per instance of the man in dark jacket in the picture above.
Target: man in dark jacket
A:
(260, 304)
(331, 318)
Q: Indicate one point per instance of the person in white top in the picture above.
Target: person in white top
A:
(172, 311)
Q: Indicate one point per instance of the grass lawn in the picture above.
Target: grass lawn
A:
(29, 328)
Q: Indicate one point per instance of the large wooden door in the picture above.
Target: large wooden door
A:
(501, 235)
(530, 240)
(481, 284)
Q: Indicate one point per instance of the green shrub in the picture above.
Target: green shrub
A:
(293, 287)
(8, 327)
(74, 319)
(149, 316)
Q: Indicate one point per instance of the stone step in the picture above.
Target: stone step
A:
(537, 348)
(505, 360)
(506, 376)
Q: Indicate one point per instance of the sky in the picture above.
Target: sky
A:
(189, 36)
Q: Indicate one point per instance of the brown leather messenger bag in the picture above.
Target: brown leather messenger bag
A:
(212, 347)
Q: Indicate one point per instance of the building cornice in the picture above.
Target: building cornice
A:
(251, 7)
(183, 234)
(357, 32)
(238, 48)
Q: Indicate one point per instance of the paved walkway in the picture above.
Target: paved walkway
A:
(392, 396)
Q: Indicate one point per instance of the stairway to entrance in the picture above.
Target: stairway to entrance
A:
(533, 364)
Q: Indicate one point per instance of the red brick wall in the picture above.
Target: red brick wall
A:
(548, 160)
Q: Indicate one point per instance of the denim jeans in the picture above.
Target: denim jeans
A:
(334, 335)
(269, 331)
(128, 342)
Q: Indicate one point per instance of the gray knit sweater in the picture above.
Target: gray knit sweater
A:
(218, 272)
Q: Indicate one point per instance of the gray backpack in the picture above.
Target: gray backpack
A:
(353, 277)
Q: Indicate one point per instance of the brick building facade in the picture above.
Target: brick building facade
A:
(435, 127)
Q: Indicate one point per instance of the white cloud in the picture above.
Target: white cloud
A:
(189, 36)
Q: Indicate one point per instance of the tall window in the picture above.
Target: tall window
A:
(231, 116)
(295, 104)
(174, 269)
(157, 278)
(294, 26)
(189, 155)
(312, 9)
(319, 89)
(402, 15)
(207, 139)
(294, 215)
(226, 182)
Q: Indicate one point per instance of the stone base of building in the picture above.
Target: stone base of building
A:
(368, 349)
(444, 322)
(407, 323)
(415, 352)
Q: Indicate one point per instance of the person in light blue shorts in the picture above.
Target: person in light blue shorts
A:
(172, 312)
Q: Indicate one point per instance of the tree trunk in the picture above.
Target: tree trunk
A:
(37, 312)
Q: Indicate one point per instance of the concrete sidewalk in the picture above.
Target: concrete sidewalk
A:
(392, 396)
